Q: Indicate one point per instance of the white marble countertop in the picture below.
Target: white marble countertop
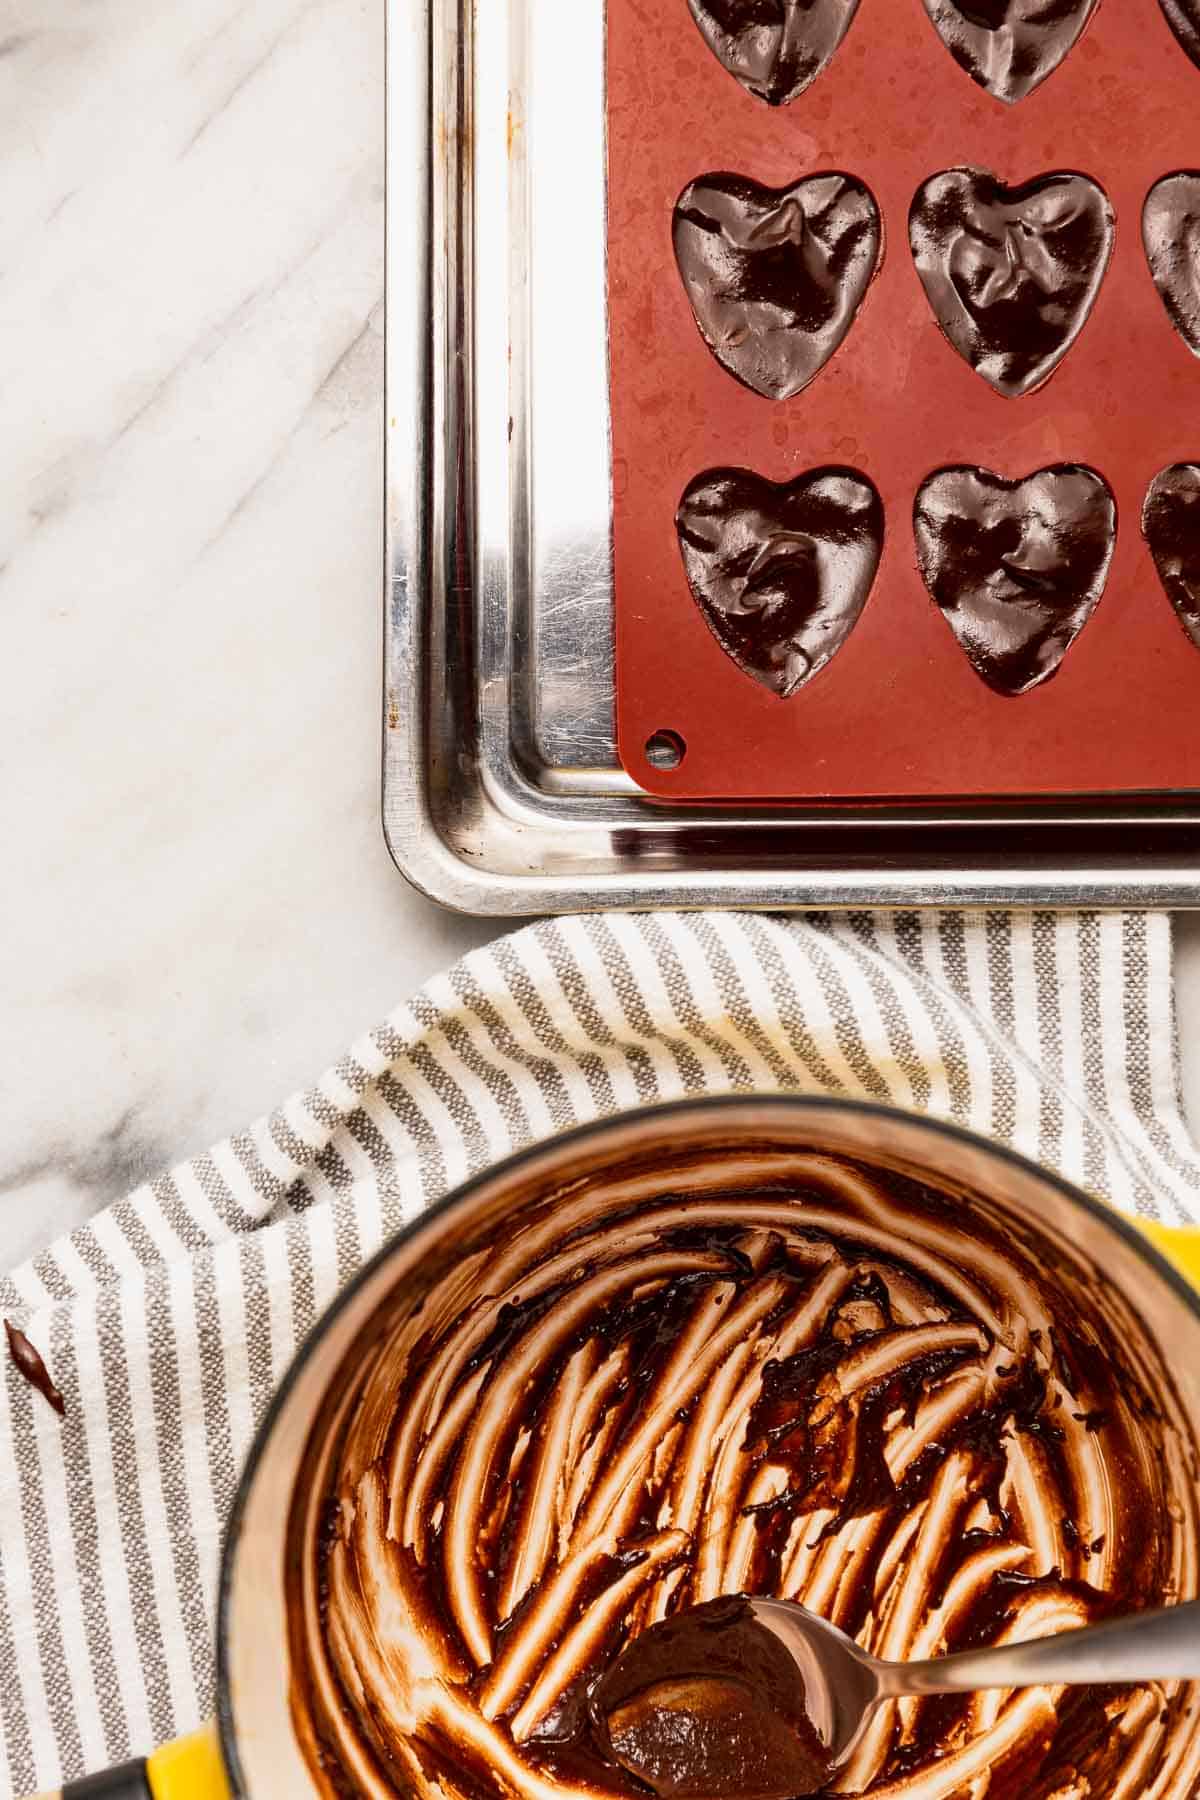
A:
(198, 912)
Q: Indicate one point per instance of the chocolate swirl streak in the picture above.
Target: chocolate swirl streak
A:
(1183, 16)
(796, 1377)
(1012, 273)
(775, 48)
(776, 276)
(780, 571)
(1010, 46)
(1171, 236)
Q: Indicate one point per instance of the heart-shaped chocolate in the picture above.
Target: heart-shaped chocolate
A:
(781, 571)
(1010, 46)
(1171, 525)
(1017, 567)
(776, 275)
(1183, 16)
(1011, 273)
(1171, 234)
(775, 48)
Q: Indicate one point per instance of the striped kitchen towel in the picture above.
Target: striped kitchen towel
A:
(168, 1319)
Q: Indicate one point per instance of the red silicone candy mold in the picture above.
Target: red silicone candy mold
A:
(891, 701)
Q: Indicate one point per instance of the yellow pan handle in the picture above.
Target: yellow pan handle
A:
(192, 1768)
(189, 1769)
(1180, 1244)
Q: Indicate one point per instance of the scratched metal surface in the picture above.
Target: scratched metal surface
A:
(501, 790)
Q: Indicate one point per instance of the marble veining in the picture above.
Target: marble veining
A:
(198, 912)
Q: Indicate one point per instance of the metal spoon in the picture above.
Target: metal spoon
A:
(839, 1686)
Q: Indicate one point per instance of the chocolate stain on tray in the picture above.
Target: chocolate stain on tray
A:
(28, 1363)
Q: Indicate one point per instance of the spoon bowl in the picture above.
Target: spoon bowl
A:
(842, 1684)
(761, 1699)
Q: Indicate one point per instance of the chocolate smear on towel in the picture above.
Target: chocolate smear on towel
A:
(28, 1362)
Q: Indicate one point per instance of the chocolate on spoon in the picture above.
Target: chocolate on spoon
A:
(712, 1702)
(759, 1699)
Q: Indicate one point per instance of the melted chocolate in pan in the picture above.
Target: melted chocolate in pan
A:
(1171, 523)
(775, 48)
(1017, 567)
(1183, 16)
(1011, 273)
(1010, 46)
(1171, 234)
(900, 1407)
(780, 572)
(775, 276)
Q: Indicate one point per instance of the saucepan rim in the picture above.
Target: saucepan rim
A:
(509, 1167)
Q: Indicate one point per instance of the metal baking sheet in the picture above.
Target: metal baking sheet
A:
(502, 792)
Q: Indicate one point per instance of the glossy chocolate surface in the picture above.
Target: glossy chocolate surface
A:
(1171, 235)
(1010, 46)
(780, 572)
(776, 275)
(1171, 524)
(775, 48)
(1017, 567)
(791, 1375)
(710, 1703)
(1183, 16)
(1011, 273)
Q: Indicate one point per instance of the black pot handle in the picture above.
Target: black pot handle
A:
(130, 1782)
(192, 1768)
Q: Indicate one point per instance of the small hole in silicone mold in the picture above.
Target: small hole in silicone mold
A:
(665, 750)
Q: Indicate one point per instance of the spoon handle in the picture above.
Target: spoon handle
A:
(1149, 1646)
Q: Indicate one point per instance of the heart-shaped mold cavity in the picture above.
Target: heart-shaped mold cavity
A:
(780, 571)
(775, 48)
(1171, 526)
(1183, 16)
(775, 276)
(1011, 273)
(1010, 46)
(1016, 567)
(1171, 234)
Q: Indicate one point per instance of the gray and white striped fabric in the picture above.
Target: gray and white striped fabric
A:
(169, 1318)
